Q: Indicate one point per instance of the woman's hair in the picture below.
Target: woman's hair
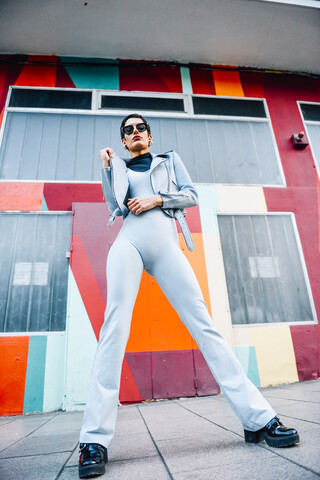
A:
(133, 115)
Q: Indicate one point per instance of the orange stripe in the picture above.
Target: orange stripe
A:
(14, 356)
(228, 83)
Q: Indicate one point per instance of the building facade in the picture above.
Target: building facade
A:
(256, 229)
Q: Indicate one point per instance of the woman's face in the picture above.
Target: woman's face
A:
(138, 142)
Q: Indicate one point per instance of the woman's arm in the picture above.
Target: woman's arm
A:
(185, 195)
(105, 154)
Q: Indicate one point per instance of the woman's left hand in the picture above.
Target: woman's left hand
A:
(140, 204)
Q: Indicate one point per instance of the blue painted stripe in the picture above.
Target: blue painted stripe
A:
(34, 386)
(247, 356)
(105, 75)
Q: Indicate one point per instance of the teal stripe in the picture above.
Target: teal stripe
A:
(44, 206)
(247, 356)
(186, 80)
(104, 76)
(34, 387)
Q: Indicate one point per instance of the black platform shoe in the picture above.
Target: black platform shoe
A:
(274, 433)
(92, 460)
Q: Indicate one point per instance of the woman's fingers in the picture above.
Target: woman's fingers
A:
(140, 204)
(105, 154)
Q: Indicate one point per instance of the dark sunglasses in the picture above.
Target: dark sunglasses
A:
(129, 129)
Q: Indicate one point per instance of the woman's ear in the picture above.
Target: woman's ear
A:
(124, 144)
(150, 142)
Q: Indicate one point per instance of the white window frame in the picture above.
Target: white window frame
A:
(303, 265)
(188, 114)
(35, 333)
(305, 124)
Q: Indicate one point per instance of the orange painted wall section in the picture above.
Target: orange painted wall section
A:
(227, 83)
(155, 324)
(14, 356)
(21, 196)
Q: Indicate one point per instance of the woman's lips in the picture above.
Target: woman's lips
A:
(136, 137)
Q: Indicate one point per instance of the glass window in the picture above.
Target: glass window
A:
(42, 98)
(160, 104)
(311, 115)
(264, 274)
(226, 106)
(310, 111)
(34, 271)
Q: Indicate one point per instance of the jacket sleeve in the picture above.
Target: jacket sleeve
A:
(107, 189)
(183, 194)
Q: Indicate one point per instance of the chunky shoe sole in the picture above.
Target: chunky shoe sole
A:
(94, 470)
(285, 441)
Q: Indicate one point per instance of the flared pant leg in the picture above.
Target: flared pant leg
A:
(124, 270)
(177, 280)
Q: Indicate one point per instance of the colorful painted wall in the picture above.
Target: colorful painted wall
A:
(47, 371)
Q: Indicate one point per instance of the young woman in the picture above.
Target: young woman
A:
(151, 191)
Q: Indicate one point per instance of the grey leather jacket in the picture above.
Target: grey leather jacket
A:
(169, 178)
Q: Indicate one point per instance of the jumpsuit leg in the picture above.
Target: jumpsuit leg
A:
(177, 280)
(124, 270)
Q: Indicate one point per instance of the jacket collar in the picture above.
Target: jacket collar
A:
(156, 159)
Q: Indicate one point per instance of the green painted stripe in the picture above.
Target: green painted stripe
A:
(34, 387)
(186, 80)
(104, 76)
(247, 356)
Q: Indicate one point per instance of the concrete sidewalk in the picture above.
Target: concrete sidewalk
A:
(194, 438)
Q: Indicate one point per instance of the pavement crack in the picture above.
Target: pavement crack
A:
(156, 446)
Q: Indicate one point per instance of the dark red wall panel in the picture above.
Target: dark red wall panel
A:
(305, 340)
(60, 196)
(163, 78)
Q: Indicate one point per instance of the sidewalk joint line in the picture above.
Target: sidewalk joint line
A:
(272, 450)
(157, 448)
(301, 419)
(45, 423)
(67, 460)
(36, 454)
(25, 436)
(292, 399)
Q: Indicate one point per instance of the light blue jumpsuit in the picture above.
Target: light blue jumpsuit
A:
(149, 241)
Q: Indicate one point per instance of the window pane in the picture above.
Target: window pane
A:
(314, 138)
(66, 146)
(265, 279)
(33, 98)
(224, 106)
(142, 103)
(310, 112)
(33, 277)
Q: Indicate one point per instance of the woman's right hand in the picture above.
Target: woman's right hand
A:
(105, 154)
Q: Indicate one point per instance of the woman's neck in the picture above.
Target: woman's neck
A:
(134, 154)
